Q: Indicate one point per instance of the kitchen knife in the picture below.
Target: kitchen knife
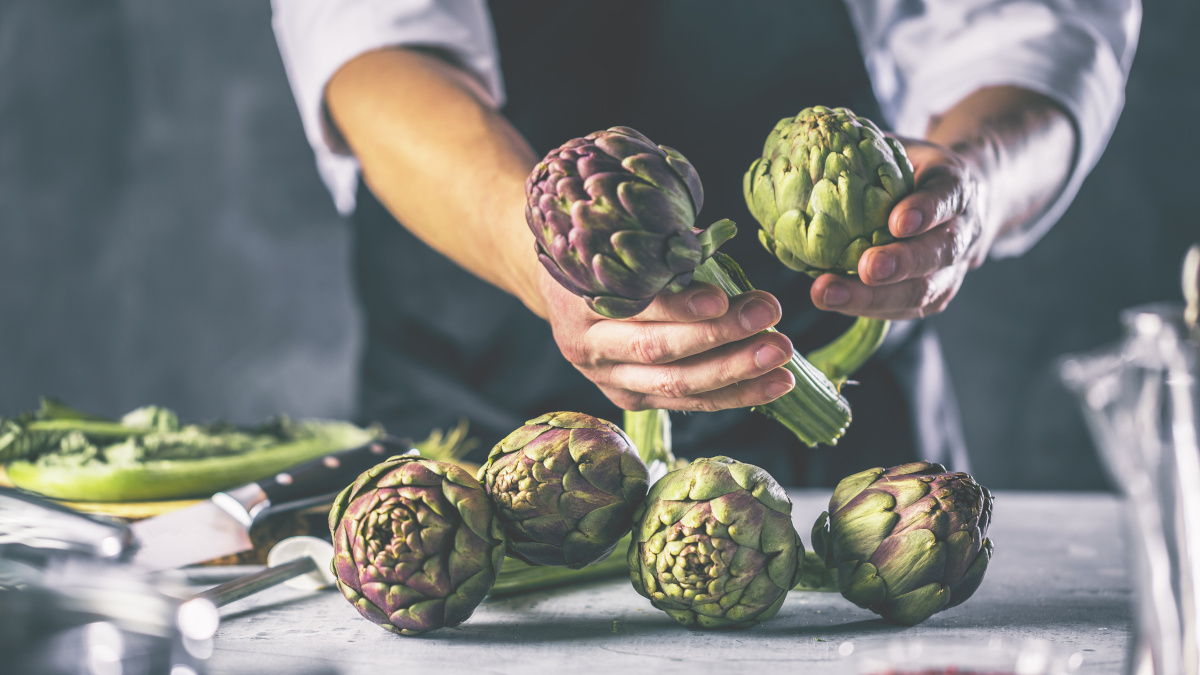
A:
(221, 525)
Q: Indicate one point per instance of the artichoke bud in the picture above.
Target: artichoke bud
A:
(613, 216)
(909, 541)
(565, 486)
(416, 544)
(841, 172)
(714, 546)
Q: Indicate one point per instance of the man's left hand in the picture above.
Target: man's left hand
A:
(941, 235)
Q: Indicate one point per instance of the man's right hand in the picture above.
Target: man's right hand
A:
(695, 350)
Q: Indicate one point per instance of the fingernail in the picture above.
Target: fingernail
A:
(769, 356)
(910, 222)
(836, 295)
(881, 266)
(777, 388)
(757, 314)
(705, 305)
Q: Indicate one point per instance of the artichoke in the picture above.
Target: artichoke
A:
(613, 215)
(824, 187)
(907, 542)
(714, 545)
(565, 487)
(416, 544)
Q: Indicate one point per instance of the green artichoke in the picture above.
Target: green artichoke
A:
(824, 187)
(907, 542)
(613, 215)
(416, 544)
(565, 487)
(714, 545)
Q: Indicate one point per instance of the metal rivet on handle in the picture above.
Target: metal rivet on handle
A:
(332, 462)
(283, 478)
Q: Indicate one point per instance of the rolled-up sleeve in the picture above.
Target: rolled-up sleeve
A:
(317, 37)
(926, 55)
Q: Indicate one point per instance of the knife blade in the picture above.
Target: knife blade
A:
(221, 525)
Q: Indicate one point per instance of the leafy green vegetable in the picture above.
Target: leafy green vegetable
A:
(66, 454)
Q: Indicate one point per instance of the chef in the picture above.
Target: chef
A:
(426, 117)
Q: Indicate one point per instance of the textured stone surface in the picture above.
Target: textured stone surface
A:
(1059, 574)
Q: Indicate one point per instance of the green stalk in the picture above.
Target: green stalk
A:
(813, 409)
(650, 431)
(520, 577)
(840, 358)
(815, 577)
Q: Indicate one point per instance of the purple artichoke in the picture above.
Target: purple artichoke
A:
(565, 487)
(907, 542)
(416, 544)
(714, 545)
(613, 215)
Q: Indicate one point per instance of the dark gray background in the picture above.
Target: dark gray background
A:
(164, 237)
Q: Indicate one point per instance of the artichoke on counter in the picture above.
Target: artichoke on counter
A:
(417, 545)
(907, 542)
(565, 487)
(714, 545)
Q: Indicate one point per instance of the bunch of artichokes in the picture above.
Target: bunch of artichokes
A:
(614, 218)
(565, 487)
(714, 545)
(416, 544)
(907, 542)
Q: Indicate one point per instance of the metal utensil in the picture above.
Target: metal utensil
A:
(1140, 400)
(300, 562)
(31, 527)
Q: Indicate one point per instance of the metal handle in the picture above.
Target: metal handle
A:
(248, 585)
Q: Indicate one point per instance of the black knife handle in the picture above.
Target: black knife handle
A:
(323, 478)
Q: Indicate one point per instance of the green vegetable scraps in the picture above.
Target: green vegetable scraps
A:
(64, 453)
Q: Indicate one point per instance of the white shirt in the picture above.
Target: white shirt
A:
(923, 56)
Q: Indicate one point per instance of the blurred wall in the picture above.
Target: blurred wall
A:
(164, 237)
(163, 234)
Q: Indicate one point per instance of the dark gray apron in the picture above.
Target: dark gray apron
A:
(710, 78)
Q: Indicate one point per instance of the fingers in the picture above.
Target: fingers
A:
(941, 193)
(712, 370)
(692, 350)
(949, 244)
(649, 341)
(944, 188)
(758, 391)
(909, 299)
(697, 302)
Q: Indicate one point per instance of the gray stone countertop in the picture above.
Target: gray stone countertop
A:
(1059, 574)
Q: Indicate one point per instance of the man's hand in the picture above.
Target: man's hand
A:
(694, 350)
(991, 163)
(941, 235)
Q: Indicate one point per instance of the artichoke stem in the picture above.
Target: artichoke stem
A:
(842, 357)
(650, 431)
(814, 410)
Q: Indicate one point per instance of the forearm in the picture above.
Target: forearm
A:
(1020, 143)
(443, 161)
